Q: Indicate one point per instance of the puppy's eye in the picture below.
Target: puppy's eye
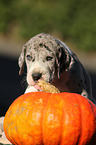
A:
(29, 57)
(49, 58)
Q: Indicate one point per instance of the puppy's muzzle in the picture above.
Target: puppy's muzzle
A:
(36, 76)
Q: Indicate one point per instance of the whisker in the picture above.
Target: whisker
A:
(23, 79)
(24, 82)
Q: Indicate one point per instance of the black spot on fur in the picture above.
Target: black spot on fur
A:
(41, 44)
(47, 47)
(40, 36)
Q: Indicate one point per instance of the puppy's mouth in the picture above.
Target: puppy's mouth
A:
(37, 78)
(36, 86)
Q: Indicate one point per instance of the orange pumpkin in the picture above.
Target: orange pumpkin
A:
(43, 118)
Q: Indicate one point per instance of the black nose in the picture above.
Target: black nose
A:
(36, 76)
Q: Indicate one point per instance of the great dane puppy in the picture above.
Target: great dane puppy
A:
(50, 59)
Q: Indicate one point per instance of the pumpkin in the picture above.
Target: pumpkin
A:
(40, 118)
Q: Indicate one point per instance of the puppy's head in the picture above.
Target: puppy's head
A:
(44, 55)
(39, 55)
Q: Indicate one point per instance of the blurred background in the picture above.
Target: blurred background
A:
(73, 22)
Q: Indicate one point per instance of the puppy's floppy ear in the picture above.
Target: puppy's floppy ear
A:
(62, 60)
(58, 56)
(21, 60)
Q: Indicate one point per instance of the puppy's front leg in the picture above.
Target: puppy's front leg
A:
(3, 138)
